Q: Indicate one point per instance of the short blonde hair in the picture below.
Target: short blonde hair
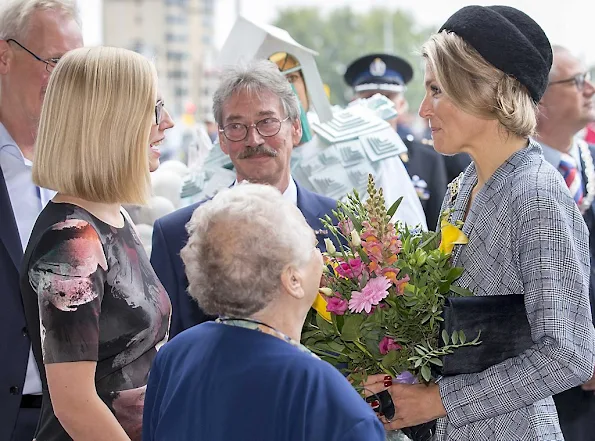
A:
(477, 87)
(96, 119)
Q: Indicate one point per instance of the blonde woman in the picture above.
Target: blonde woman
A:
(95, 309)
(486, 70)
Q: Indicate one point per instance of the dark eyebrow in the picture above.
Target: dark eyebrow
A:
(266, 113)
(233, 118)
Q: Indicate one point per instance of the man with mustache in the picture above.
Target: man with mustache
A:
(259, 124)
(565, 109)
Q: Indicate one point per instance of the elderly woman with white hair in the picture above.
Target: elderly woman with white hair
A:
(251, 260)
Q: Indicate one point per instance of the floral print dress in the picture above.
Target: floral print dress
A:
(90, 294)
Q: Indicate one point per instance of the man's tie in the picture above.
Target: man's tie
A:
(572, 177)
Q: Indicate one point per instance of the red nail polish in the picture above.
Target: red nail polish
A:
(387, 378)
(375, 404)
(388, 383)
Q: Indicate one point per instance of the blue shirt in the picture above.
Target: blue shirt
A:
(221, 383)
(554, 156)
(26, 198)
(27, 201)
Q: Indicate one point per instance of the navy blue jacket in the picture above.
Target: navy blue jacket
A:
(217, 382)
(14, 339)
(576, 407)
(170, 236)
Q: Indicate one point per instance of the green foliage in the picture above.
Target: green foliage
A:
(409, 316)
(344, 35)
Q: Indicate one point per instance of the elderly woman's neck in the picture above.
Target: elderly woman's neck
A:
(286, 320)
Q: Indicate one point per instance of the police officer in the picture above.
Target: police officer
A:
(389, 75)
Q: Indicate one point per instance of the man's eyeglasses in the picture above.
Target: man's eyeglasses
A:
(265, 127)
(50, 63)
(159, 111)
(578, 80)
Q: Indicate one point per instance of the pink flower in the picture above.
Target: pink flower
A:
(388, 344)
(375, 290)
(400, 284)
(336, 305)
(390, 273)
(350, 270)
(346, 227)
(373, 249)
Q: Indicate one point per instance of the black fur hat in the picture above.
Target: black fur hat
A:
(509, 40)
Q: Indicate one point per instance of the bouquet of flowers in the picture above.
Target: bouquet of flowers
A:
(379, 308)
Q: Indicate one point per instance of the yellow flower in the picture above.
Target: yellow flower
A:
(320, 306)
(450, 236)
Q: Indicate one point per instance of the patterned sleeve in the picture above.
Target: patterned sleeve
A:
(551, 247)
(68, 273)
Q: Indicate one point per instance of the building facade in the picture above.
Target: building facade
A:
(179, 36)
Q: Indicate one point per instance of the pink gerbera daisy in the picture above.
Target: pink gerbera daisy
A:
(375, 290)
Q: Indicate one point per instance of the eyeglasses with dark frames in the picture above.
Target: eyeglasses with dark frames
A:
(265, 127)
(578, 80)
(159, 111)
(50, 63)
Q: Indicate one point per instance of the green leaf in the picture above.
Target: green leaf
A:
(311, 333)
(351, 327)
(336, 346)
(455, 337)
(436, 361)
(355, 221)
(418, 362)
(445, 337)
(324, 326)
(476, 339)
(363, 255)
(393, 208)
(338, 319)
(433, 236)
(419, 351)
(390, 359)
(426, 373)
(455, 273)
(460, 291)
(462, 337)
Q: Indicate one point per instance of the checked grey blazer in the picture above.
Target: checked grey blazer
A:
(526, 237)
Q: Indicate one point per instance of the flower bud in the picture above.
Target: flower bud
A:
(330, 248)
(355, 239)
(326, 291)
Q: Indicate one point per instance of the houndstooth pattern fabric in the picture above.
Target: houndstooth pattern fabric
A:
(526, 237)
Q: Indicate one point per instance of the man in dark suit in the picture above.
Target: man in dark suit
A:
(389, 75)
(259, 124)
(566, 108)
(29, 50)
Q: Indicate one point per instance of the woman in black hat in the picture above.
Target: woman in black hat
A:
(486, 70)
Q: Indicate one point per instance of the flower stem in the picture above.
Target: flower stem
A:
(326, 354)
